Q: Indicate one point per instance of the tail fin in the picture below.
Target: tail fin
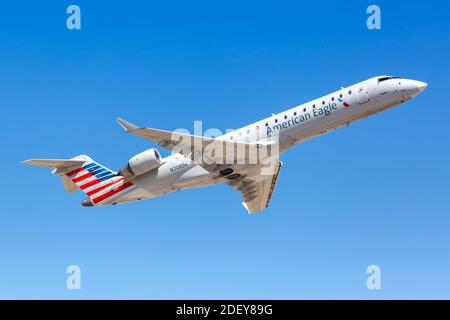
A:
(81, 172)
(88, 175)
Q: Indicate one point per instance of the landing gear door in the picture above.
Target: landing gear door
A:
(363, 94)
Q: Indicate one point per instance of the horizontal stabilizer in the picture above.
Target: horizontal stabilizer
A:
(54, 163)
(82, 173)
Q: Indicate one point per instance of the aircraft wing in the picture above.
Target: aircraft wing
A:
(255, 188)
(255, 185)
(177, 140)
(164, 138)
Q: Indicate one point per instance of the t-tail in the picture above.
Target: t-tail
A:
(99, 183)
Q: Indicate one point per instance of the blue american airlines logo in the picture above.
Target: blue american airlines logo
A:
(98, 171)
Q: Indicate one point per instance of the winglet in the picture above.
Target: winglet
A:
(246, 207)
(127, 126)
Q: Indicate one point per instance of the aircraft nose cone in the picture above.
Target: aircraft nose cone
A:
(421, 85)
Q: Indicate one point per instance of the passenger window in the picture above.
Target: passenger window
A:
(295, 113)
(267, 124)
(285, 117)
(350, 92)
(314, 106)
(323, 102)
(276, 120)
(304, 109)
(340, 96)
(332, 98)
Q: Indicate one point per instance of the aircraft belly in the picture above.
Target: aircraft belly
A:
(317, 126)
(132, 194)
(171, 178)
(195, 177)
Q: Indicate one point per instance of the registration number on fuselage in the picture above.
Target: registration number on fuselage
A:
(178, 167)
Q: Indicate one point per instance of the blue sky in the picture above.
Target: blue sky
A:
(374, 193)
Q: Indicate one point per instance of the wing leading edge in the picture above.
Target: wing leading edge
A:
(166, 139)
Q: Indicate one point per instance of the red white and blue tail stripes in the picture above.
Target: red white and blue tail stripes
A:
(98, 182)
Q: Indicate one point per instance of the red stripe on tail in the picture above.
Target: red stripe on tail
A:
(90, 193)
(71, 173)
(90, 184)
(83, 177)
(112, 192)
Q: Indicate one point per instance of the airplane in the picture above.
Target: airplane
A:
(148, 175)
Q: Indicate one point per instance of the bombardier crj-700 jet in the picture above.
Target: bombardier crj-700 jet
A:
(148, 175)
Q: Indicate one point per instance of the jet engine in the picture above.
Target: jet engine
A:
(142, 163)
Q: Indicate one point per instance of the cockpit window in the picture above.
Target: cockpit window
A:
(387, 78)
(384, 79)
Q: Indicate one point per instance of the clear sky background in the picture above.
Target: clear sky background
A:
(375, 193)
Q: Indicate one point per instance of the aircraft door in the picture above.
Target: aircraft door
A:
(363, 94)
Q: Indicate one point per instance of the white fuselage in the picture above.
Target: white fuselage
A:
(292, 126)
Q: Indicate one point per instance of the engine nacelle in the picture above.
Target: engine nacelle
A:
(142, 163)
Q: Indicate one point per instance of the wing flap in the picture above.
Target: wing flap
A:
(256, 190)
